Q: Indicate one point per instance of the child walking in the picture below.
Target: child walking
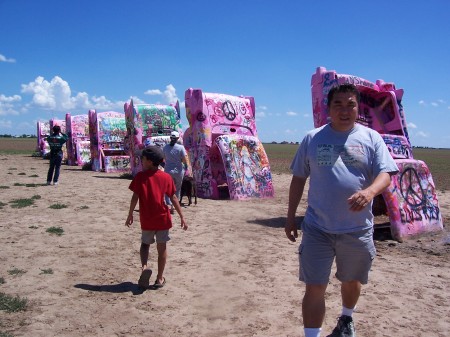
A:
(149, 188)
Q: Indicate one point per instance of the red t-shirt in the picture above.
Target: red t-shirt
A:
(151, 186)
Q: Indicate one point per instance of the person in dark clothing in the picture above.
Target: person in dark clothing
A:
(55, 141)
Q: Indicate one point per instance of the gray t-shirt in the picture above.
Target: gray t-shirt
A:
(339, 164)
(173, 156)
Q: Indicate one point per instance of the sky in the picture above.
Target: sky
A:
(74, 55)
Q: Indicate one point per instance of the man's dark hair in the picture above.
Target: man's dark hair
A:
(343, 88)
(56, 129)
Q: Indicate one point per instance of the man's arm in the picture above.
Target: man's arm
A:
(295, 195)
(362, 198)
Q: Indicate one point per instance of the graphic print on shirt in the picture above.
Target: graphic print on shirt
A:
(331, 154)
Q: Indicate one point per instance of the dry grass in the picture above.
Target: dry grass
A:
(280, 157)
(18, 145)
(437, 160)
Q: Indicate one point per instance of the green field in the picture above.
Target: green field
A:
(17, 145)
(280, 157)
(437, 160)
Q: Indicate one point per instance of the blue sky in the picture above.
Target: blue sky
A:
(71, 56)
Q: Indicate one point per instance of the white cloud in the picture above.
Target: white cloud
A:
(169, 95)
(153, 92)
(411, 125)
(102, 103)
(82, 100)
(53, 95)
(14, 98)
(5, 124)
(5, 59)
(436, 103)
(260, 113)
(290, 132)
(56, 95)
(7, 105)
(137, 100)
(291, 113)
(422, 134)
(306, 115)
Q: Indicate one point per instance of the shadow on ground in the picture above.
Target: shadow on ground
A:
(278, 222)
(382, 232)
(123, 287)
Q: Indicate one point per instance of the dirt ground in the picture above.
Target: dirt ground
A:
(232, 273)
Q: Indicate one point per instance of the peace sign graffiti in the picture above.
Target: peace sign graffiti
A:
(228, 110)
(411, 189)
(201, 116)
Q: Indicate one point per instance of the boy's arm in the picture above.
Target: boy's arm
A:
(133, 203)
(176, 204)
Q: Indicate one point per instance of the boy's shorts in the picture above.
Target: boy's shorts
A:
(149, 237)
(354, 253)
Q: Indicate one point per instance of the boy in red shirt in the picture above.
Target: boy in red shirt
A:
(149, 188)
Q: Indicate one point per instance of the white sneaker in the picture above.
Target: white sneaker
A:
(55, 183)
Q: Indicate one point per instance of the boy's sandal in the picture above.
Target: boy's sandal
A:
(158, 285)
(144, 280)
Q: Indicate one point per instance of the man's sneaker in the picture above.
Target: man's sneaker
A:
(344, 327)
(49, 182)
(55, 183)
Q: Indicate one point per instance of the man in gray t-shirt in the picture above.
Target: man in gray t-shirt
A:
(348, 165)
(175, 157)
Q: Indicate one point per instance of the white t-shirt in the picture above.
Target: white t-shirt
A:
(339, 164)
(173, 156)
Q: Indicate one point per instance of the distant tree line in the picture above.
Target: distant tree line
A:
(21, 136)
(285, 142)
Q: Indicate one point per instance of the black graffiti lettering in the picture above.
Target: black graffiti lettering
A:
(431, 212)
(409, 215)
(203, 187)
(328, 80)
(120, 163)
(401, 150)
(359, 81)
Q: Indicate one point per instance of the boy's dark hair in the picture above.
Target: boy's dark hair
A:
(343, 88)
(56, 129)
(154, 154)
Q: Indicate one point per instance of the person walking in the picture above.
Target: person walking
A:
(149, 188)
(347, 165)
(175, 158)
